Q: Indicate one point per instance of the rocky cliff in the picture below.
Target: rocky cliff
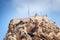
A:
(33, 28)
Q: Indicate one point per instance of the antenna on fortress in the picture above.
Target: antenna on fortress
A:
(28, 10)
(36, 14)
(46, 15)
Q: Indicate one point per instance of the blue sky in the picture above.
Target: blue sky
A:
(11, 9)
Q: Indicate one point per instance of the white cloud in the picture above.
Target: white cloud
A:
(56, 5)
(36, 5)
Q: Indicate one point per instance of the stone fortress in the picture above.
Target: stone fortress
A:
(33, 28)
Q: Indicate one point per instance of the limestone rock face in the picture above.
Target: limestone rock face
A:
(33, 28)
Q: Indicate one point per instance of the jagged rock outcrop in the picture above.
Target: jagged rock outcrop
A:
(33, 28)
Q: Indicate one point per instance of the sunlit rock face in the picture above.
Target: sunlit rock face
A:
(33, 28)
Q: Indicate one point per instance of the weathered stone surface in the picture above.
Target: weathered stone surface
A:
(33, 28)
